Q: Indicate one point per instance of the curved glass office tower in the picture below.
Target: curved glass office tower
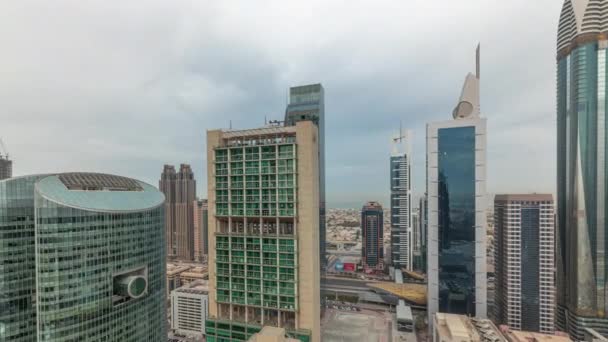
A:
(581, 167)
(17, 260)
(90, 266)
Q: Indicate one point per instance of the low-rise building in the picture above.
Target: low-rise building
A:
(189, 308)
(460, 328)
(271, 334)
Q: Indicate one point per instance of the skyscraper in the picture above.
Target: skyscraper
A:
(416, 239)
(6, 167)
(456, 173)
(83, 259)
(263, 196)
(200, 229)
(307, 102)
(372, 251)
(401, 201)
(581, 167)
(524, 236)
(420, 259)
(180, 193)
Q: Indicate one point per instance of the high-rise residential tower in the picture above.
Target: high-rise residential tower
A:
(456, 194)
(524, 237)
(401, 201)
(307, 102)
(83, 259)
(582, 186)
(372, 251)
(201, 247)
(180, 193)
(263, 196)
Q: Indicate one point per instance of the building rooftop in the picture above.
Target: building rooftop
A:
(254, 132)
(523, 197)
(460, 328)
(197, 286)
(528, 336)
(404, 311)
(99, 192)
(173, 269)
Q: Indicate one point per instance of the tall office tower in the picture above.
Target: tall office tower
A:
(422, 228)
(307, 102)
(401, 201)
(582, 273)
(372, 253)
(416, 242)
(264, 231)
(87, 262)
(180, 193)
(6, 167)
(524, 236)
(456, 194)
(200, 229)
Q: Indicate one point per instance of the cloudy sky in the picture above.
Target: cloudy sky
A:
(127, 86)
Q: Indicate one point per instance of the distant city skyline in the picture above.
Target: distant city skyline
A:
(134, 103)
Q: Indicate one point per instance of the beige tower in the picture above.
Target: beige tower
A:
(263, 232)
(180, 193)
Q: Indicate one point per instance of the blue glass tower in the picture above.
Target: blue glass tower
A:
(456, 196)
(581, 167)
(307, 102)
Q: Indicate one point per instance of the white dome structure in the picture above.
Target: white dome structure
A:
(580, 18)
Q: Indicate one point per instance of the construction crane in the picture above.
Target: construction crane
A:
(3, 149)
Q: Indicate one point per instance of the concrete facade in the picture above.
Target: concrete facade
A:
(229, 224)
(524, 238)
(189, 309)
(201, 230)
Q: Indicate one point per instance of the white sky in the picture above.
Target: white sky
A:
(126, 86)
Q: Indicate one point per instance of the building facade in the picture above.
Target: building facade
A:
(201, 228)
(180, 193)
(264, 231)
(524, 237)
(456, 178)
(307, 102)
(581, 167)
(189, 309)
(420, 231)
(372, 251)
(85, 257)
(401, 202)
(6, 167)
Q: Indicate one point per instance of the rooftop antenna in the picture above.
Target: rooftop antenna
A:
(230, 124)
(401, 136)
(478, 61)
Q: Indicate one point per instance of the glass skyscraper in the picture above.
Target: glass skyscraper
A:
(401, 202)
(307, 102)
(372, 223)
(456, 208)
(581, 167)
(82, 258)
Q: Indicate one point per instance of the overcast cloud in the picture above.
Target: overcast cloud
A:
(127, 86)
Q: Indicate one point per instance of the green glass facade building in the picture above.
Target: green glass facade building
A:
(83, 258)
(262, 250)
(581, 168)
